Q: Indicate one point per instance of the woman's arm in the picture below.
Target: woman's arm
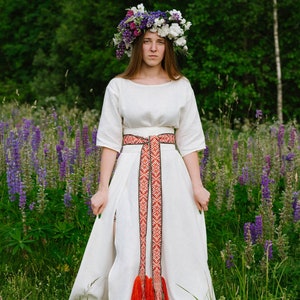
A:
(99, 200)
(201, 195)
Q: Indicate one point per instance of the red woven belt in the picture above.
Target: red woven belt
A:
(150, 171)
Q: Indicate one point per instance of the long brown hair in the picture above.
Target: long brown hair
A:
(169, 63)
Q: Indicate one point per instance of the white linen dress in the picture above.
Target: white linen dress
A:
(111, 261)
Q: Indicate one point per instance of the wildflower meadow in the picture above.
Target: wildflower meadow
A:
(49, 168)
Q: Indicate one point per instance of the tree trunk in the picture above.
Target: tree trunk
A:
(278, 66)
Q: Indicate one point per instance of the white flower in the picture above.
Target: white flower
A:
(158, 22)
(187, 25)
(164, 30)
(139, 8)
(180, 41)
(175, 30)
(175, 15)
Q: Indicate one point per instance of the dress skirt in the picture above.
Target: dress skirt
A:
(111, 260)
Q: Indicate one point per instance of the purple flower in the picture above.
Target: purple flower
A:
(258, 114)
(269, 249)
(235, 154)
(204, 161)
(280, 135)
(258, 227)
(267, 167)
(26, 129)
(67, 199)
(247, 232)
(36, 139)
(265, 182)
(31, 206)
(292, 138)
(229, 261)
(244, 178)
(289, 157)
(296, 206)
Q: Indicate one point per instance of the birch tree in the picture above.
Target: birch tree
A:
(278, 65)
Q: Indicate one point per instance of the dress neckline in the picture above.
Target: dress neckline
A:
(150, 85)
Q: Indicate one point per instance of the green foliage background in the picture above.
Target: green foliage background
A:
(57, 52)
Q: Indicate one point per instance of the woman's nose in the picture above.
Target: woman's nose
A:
(153, 46)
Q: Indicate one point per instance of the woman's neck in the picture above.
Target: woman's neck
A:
(151, 76)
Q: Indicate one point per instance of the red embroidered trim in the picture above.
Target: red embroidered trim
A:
(150, 168)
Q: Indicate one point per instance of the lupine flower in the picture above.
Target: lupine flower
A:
(244, 178)
(267, 167)
(204, 161)
(67, 199)
(258, 114)
(296, 206)
(229, 261)
(26, 129)
(292, 138)
(265, 181)
(247, 232)
(31, 206)
(85, 137)
(280, 135)
(235, 154)
(36, 139)
(269, 249)
(289, 157)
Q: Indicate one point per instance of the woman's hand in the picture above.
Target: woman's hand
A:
(99, 201)
(201, 196)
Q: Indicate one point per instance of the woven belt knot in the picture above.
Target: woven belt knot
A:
(150, 177)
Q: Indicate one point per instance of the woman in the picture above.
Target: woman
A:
(150, 241)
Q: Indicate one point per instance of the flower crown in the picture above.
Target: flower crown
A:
(169, 24)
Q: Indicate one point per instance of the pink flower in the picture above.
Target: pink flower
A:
(132, 25)
(130, 13)
(136, 32)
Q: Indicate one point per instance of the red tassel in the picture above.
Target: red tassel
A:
(149, 291)
(164, 288)
(137, 291)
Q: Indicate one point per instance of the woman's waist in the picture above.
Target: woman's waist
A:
(148, 131)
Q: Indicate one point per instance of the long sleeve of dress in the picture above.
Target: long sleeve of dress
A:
(189, 135)
(110, 126)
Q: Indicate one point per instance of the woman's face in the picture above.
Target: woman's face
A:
(153, 49)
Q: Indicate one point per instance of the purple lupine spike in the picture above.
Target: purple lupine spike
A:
(292, 138)
(229, 261)
(77, 142)
(42, 175)
(26, 129)
(265, 181)
(247, 232)
(289, 157)
(85, 137)
(235, 154)
(94, 136)
(204, 161)
(268, 249)
(267, 167)
(36, 139)
(296, 206)
(244, 178)
(60, 132)
(280, 135)
(67, 199)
